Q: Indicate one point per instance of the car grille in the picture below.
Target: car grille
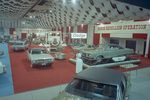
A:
(43, 60)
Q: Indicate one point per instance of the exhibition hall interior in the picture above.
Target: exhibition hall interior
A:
(74, 49)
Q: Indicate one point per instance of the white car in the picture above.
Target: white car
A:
(39, 56)
(2, 69)
(19, 45)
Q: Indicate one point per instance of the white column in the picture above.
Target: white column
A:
(90, 34)
(64, 34)
(75, 29)
(147, 44)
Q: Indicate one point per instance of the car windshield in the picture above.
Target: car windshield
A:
(39, 51)
(18, 44)
(91, 90)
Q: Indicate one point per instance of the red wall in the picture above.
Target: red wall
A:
(69, 31)
(96, 39)
(83, 29)
(139, 36)
(23, 35)
(11, 30)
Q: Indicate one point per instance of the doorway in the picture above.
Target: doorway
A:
(131, 44)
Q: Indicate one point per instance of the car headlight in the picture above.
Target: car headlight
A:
(33, 61)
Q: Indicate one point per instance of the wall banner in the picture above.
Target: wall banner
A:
(127, 27)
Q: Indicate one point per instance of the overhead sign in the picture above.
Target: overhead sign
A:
(78, 35)
(124, 27)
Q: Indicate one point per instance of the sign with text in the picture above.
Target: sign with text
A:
(128, 27)
(78, 35)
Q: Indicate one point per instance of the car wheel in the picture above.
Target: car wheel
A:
(99, 58)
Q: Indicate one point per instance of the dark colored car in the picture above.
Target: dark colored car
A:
(97, 83)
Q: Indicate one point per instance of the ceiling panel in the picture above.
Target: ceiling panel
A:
(55, 13)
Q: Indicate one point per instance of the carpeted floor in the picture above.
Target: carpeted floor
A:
(26, 78)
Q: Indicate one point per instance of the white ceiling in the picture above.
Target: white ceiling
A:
(64, 13)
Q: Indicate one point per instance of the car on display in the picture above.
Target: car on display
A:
(104, 52)
(97, 83)
(84, 47)
(2, 69)
(19, 45)
(1, 52)
(39, 56)
(16, 40)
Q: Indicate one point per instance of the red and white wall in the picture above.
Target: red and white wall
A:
(137, 30)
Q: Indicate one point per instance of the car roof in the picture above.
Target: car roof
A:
(19, 41)
(101, 75)
(37, 48)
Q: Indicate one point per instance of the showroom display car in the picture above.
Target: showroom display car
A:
(97, 83)
(2, 69)
(19, 45)
(1, 52)
(39, 56)
(105, 52)
(84, 47)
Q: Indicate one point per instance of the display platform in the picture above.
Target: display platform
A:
(109, 64)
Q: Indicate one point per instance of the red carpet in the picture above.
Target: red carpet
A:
(26, 78)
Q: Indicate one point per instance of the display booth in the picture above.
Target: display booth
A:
(132, 34)
(53, 41)
(78, 39)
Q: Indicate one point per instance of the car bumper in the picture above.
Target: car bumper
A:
(42, 63)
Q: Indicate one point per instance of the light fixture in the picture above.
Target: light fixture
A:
(23, 22)
(64, 1)
(73, 1)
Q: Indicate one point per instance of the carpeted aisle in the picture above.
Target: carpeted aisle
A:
(6, 82)
(26, 78)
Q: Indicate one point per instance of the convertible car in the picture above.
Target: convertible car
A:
(106, 52)
(19, 45)
(39, 56)
(97, 83)
(1, 52)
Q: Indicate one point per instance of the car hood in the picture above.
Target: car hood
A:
(66, 96)
(41, 56)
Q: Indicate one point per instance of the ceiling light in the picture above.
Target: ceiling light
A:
(23, 22)
(64, 1)
(30, 16)
(74, 1)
